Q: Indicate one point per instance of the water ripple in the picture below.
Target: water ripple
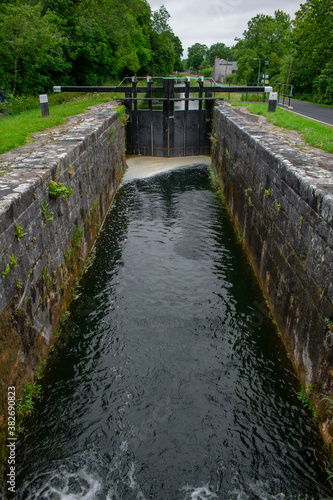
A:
(169, 381)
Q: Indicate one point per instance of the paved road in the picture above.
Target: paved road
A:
(320, 113)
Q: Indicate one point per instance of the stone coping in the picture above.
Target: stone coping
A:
(22, 168)
(311, 167)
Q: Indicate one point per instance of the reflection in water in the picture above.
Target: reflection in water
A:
(169, 381)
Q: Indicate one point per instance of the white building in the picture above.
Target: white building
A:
(222, 69)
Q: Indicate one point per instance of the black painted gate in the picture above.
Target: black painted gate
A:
(153, 133)
(170, 132)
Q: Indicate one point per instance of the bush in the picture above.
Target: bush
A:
(324, 85)
(207, 72)
(15, 105)
(253, 97)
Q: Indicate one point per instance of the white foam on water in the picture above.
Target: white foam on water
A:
(261, 488)
(133, 484)
(84, 476)
(64, 485)
(200, 493)
(141, 167)
(124, 446)
(76, 481)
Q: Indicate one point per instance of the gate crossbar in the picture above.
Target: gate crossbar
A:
(179, 89)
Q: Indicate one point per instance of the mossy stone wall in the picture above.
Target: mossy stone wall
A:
(282, 203)
(45, 241)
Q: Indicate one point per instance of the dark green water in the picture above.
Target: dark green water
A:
(169, 381)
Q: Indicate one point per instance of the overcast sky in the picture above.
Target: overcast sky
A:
(211, 21)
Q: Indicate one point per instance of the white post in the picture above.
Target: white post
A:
(272, 102)
(44, 105)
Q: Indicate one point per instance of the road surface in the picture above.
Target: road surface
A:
(314, 111)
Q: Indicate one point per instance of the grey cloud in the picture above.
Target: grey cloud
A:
(217, 20)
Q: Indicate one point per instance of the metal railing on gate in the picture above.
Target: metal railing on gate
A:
(285, 92)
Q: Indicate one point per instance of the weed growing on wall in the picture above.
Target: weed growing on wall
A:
(329, 400)
(19, 232)
(329, 324)
(216, 185)
(306, 400)
(57, 189)
(4, 273)
(13, 261)
(47, 216)
(71, 170)
(213, 139)
(25, 404)
(277, 206)
(77, 235)
(122, 115)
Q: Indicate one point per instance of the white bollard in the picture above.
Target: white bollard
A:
(272, 102)
(44, 105)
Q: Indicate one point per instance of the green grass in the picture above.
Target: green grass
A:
(240, 97)
(16, 130)
(229, 96)
(315, 134)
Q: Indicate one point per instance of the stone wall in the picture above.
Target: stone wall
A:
(282, 202)
(44, 241)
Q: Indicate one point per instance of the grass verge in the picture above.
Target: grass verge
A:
(16, 130)
(315, 134)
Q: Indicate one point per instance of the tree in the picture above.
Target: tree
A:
(166, 47)
(126, 31)
(91, 55)
(219, 50)
(313, 42)
(178, 53)
(163, 54)
(324, 85)
(31, 48)
(47, 42)
(196, 54)
(160, 20)
(267, 38)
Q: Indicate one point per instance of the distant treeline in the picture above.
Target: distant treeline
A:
(82, 42)
(91, 42)
(299, 52)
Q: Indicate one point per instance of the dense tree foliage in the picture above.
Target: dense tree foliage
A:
(267, 38)
(312, 71)
(83, 42)
(31, 45)
(196, 55)
(298, 52)
(219, 50)
(166, 48)
(48, 42)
